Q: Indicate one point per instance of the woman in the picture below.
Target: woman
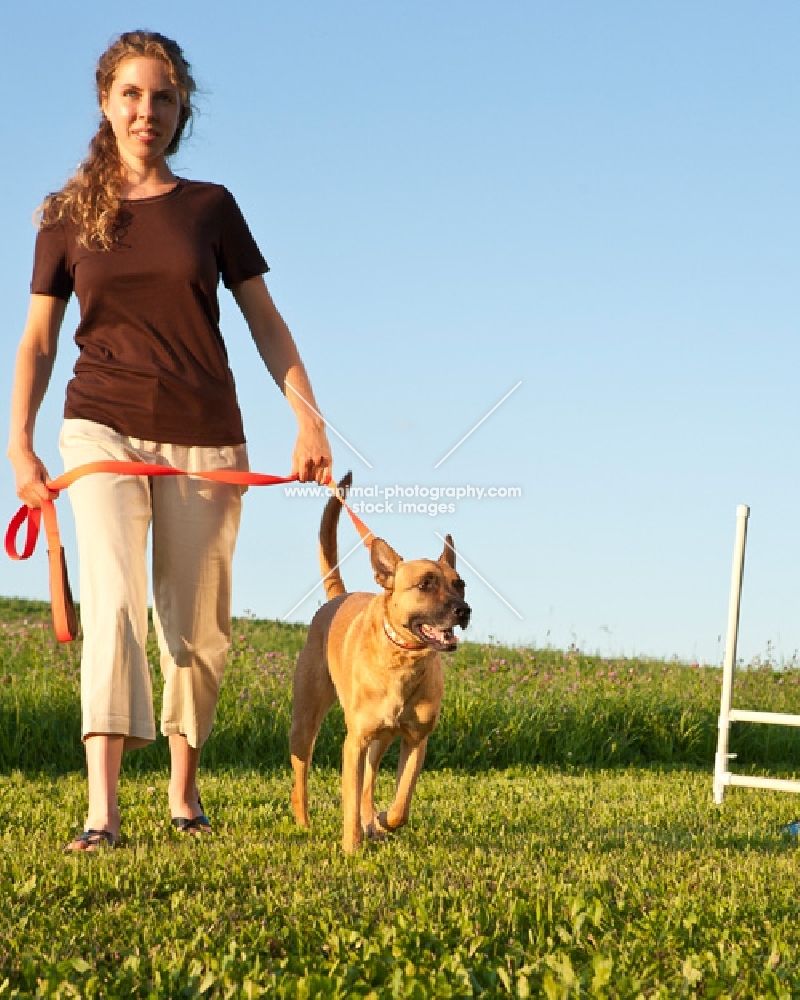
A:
(144, 250)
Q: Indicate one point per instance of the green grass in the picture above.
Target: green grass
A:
(563, 841)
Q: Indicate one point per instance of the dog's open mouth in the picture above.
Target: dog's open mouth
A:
(437, 638)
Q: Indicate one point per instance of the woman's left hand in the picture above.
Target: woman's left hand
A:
(312, 454)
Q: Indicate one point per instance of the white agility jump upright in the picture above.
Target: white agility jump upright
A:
(722, 775)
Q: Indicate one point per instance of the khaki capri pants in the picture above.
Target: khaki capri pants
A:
(194, 527)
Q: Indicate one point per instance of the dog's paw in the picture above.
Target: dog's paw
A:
(384, 823)
(374, 831)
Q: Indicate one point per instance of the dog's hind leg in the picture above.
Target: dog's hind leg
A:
(377, 749)
(313, 695)
(412, 757)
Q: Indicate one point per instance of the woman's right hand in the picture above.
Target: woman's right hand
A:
(31, 479)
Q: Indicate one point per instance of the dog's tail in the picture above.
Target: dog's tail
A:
(328, 550)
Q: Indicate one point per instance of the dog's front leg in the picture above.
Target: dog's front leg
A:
(377, 749)
(353, 763)
(412, 757)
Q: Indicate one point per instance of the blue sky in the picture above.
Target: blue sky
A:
(599, 201)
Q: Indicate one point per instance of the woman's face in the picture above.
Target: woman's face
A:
(143, 107)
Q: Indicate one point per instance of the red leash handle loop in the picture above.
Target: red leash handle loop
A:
(65, 620)
(31, 516)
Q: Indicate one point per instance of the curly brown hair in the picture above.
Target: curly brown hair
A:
(91, 197)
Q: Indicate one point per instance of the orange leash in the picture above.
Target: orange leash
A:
(65, 621)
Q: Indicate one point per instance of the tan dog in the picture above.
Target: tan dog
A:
(379, 654)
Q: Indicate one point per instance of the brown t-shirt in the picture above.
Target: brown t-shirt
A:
(152, 361)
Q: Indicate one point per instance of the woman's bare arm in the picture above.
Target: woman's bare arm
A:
(312, 452)
(35, 359)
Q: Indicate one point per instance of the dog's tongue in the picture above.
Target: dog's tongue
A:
(444, 636)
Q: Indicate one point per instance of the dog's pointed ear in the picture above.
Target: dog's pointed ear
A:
(448, 556)
(384, 562)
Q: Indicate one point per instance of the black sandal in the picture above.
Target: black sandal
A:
(95, 841)
(200, 824)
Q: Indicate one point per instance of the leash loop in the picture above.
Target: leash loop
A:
(30, 516)
(65, 620)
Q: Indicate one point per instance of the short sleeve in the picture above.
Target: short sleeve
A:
(238, 255)
(51, 271)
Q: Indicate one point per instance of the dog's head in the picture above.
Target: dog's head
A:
(425, 596)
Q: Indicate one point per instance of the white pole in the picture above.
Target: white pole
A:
(721, 774)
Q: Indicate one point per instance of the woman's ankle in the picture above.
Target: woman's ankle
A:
(103, 819)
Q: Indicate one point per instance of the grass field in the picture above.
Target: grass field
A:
(563, 841)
